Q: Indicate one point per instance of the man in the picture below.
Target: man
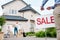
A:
(8, 32)
(56, 14)
(52, 7)
(15, 29)
(24, 35)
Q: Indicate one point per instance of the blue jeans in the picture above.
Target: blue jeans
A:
(15, 32)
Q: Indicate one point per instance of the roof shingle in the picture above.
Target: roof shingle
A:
(28, 7)
(11, 2)
(15, 18)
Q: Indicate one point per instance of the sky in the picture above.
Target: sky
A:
(36, 4)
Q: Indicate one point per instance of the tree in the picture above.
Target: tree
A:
(2, 22)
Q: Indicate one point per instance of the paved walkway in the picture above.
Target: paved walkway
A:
(30, 38)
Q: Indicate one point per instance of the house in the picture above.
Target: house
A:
(20, 13)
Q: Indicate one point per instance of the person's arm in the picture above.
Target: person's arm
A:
(44, 2)
(52, 7)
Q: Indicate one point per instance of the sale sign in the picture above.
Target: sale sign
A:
(45, 21)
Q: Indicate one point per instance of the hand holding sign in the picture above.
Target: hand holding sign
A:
(48, 8)
(42, 8)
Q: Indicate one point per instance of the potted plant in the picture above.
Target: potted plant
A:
(2, 22)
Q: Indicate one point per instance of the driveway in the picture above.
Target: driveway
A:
(30, 38)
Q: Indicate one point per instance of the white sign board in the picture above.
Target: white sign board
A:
(45, 21)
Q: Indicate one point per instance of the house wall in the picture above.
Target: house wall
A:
(30, 15)
(24, 25)
(16, 5)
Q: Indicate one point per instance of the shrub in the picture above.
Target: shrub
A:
(51, 32)
(30, 34)
(0, 29)
(40, 34)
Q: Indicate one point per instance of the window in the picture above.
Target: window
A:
(12, 11)
(32, 27)
(31, 15)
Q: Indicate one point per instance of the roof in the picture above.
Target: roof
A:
(15, 18)
(13, 1)
(28, 7)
